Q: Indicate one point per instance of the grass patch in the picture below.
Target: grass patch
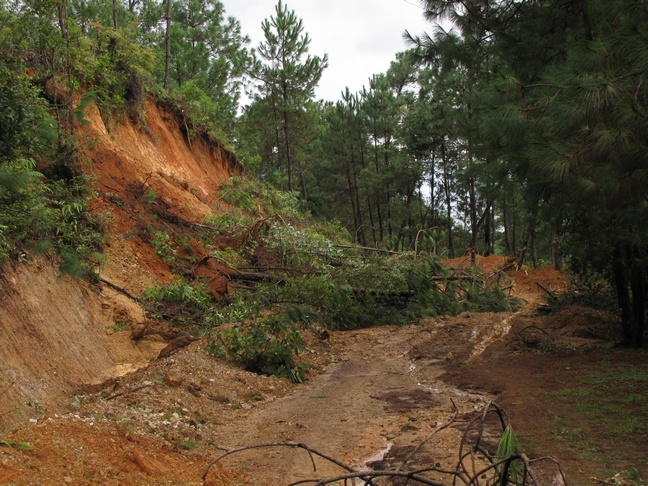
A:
(603, 415)
(616, 397)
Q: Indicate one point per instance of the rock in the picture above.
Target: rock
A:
(173, 378)
(175, 345)
(148, 464)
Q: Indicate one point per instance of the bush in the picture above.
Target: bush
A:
(270, 346)
(182, 304)
(308, 274)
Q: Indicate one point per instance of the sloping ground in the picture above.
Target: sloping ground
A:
(57, 333)
(373, 396)
(146, 172)
(51, 338)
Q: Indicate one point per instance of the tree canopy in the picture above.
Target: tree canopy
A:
(520, 130)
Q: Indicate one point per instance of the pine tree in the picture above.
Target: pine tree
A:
(571, 127)
(288, 77)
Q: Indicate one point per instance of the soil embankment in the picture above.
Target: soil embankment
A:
(58, 333)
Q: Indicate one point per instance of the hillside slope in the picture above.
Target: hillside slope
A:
(55, 331)
(373, 397)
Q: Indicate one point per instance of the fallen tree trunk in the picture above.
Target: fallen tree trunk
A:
(234, 274)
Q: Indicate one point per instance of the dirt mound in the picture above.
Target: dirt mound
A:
(526, 282)
(568, 328)
(489, 263)
(540, 280)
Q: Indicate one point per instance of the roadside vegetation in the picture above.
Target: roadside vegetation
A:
(468, 143)
(289, 272)
(600, 415)
(471, 142)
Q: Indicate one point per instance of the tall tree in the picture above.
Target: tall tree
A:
(288, 76)
(571, 124)
(167, 44)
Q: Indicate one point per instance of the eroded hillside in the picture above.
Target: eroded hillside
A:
(79, 360)
(57, 332)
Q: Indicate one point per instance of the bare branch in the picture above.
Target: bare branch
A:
(310, 451)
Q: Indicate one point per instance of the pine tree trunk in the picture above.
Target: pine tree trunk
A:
(488, 245)
(448, 200)
(302, 175)
(360, 236)
(368, 196)
(289, 161)
(474, 227)
(533, 249)
(167, 64)
(638, 286)
(350, 189)
(559, 258)
(507, 231)
(377, 195)
(623, 295)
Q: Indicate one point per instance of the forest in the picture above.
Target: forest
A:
(520, 131)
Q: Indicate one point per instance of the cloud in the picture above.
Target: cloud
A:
(361, 37)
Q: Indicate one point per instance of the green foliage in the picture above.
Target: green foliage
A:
(150, 196)
(200, 112)
(562, 111)
(269, 346)
(253, 196)
(625, 410)
(187, 445)
(183, 304)
(180, 293)
(342, 287)
(320, 280)
(589, 289)
(25, 124)
(38, 214)
(117, 68)
(162, 244)
(208, 62)
(21, 446)
(507, 447)
(610, 400)
(288, 76)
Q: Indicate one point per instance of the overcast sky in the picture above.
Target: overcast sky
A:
(361, 37)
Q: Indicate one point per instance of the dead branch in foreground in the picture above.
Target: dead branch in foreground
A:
(478, 464)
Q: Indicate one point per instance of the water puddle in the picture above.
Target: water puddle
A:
(366, 463)
(498, 332)
(378, 456)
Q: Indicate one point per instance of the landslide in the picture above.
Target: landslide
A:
(80, 362)
(374, 397)
(58, 333)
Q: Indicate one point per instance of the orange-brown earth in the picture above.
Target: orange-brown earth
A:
(84, 403)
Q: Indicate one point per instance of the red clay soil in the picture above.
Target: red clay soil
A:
(162, 421)
(369, 391)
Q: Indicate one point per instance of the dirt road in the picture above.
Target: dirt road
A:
(372, 398)
(369, 400)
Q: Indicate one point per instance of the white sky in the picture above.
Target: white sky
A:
(361, 37)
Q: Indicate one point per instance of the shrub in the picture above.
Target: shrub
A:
(182, 304)
(269, 346)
